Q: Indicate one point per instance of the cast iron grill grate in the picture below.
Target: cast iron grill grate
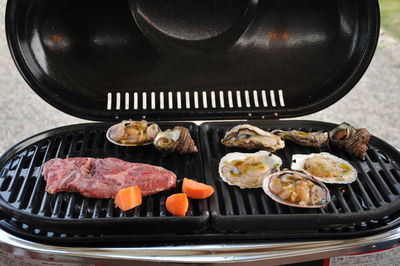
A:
(22, 186)
(366, 206)
(367, 201)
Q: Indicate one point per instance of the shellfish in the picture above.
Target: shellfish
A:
(251, 137)
(353, 140)
(176, 140)
(310, 139)
(248, 170)
(132, 133)
(325, 167)
(296, 189)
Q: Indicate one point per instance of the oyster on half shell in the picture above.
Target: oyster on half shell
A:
(248, 170)
(251, 137)
(310, 139)
(296, 189)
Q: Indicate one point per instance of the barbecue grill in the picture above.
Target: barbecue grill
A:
(182, 61)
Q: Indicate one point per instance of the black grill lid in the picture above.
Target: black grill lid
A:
(199, 59)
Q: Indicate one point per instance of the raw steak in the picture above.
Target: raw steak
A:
(103, 178)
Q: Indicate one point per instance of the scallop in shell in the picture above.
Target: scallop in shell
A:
(325, 167)
(310, 139)
(296, 189)
(247, 170)
(132, 133)
(176, 140)
(251, 137)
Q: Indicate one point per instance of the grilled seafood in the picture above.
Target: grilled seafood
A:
(310, 139)
(296, 189)
(353, 140)
(325, 167)
(251, 137)
(247, 170)
(132, 133)
(176, 140)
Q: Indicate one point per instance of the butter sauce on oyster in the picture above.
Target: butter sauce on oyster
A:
(251, 137)
(325, 167)
(296, 189)
(132, 133)
(248, 170)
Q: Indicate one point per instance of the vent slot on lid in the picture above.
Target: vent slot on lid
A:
(184, 100)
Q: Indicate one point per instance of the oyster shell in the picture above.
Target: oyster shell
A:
(251, 137)
(296, 189)
(247, 170)
(132, 133)
(176, 140)
(353, 140)
(310, 139)
(325, 167)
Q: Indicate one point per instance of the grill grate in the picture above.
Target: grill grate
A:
(353, 205)
(368, 205)
(23, 188)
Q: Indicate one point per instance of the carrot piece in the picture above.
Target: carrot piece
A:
(128, 198)
(196, 190)
(177, 204)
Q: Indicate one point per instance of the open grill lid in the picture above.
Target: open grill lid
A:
(213, 59)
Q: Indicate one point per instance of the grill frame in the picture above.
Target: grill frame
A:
(214, 229)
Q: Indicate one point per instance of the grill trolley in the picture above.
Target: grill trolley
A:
(191, 61)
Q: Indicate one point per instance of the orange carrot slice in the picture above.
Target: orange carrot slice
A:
(196, 190)
(177, 204)
(128, 198)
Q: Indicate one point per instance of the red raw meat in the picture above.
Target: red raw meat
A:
(103, 178)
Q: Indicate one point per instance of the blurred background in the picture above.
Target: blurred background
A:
(374, 103)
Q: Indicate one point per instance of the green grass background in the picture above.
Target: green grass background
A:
(390, 16)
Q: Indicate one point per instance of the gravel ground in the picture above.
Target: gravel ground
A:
(374, 103)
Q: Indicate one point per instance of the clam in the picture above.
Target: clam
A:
(132, 133)
(248, 170)
(325, 167)
(296, 189)
(310, 139)
(176, 140)
(353, 140)
(251, 137)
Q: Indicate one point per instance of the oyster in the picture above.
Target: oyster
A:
(248, 170)
(176, 140)
(251, 137)
(325, 167)
(353, 140)
(310, 139)
(132, 133)
(296, 189)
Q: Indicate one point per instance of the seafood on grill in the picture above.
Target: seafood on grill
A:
(296, 189)
(325, 167)
(132, 133)
(176, 140)
(310, 139)
(248, 170)
(353, 140)
(251, 137)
